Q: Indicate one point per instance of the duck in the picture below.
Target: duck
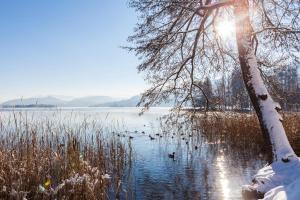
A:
(143, 132)
(187, 142)
(157, 134)
(130, 137)
(172, 155)
(151, 138)
(196, 147)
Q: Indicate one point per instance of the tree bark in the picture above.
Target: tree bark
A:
(266, 109)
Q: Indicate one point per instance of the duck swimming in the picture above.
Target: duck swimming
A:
(172, 155)
(151, 138)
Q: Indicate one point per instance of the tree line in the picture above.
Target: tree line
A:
(229, 92)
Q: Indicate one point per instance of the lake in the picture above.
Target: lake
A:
(199, 170)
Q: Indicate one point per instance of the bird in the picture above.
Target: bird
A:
(118, 135)
(157, 134)
(143, 132)
(151, 138)
(172, 155)
(130, 137)
(196, 147)
(187, 142)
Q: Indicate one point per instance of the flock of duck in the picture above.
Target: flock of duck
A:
(171, 155)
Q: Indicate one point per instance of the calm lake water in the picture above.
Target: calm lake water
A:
(199, 170)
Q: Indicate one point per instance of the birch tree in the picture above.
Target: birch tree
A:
(181, 42)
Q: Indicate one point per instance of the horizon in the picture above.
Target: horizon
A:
(67, 49)
(68, 98)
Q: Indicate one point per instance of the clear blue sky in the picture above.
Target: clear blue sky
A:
(66, 47)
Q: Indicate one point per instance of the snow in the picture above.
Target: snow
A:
(290, 192)
(105, 176)
(42, 189)
(272, 119)
(278, 181)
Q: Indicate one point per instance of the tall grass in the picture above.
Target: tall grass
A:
(46, 158)
(241, 131)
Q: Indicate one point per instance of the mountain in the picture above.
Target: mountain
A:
(51, 101)
(95, 101)
(132, 102)
(35, 101)
(89, 101)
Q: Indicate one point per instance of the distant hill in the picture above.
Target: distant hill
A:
(132, 102)
(34, 101)
(51, 101)
(92, 101)
(29, 106)
(89, 101)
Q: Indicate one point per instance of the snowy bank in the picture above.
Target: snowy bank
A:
(278, 181)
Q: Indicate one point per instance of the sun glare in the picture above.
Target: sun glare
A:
(226, 29)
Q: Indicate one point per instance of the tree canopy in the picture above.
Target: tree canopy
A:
(181, 42)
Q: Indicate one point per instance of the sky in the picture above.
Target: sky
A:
(67, 48)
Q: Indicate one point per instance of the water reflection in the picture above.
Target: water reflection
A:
(204, 167)
(223, 177)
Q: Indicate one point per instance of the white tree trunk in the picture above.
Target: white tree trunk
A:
(266, 108)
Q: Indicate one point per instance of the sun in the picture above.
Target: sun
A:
(225, 29)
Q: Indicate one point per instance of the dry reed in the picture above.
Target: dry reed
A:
(241, 131)
(48, 159)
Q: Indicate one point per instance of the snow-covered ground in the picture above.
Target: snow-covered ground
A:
(278, 181)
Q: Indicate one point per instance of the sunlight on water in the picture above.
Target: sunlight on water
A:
(195, 173)
(223, 177)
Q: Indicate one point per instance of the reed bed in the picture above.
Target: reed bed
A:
(241, 132)
(47, 158)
